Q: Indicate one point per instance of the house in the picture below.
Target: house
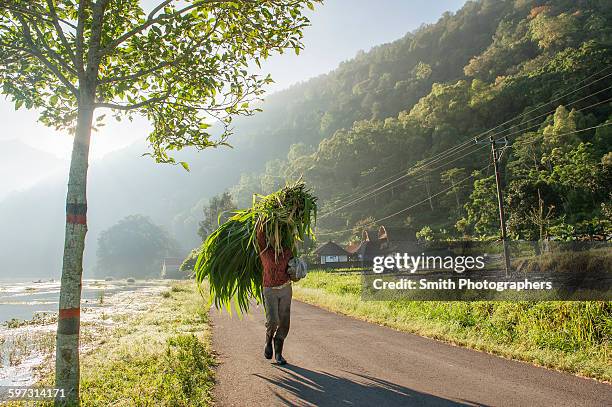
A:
(399, 240)
(171, 268)
(369, 247)
(383, 241)
(353, 250)
(332, 255)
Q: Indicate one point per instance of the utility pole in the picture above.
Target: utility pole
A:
(496, 155)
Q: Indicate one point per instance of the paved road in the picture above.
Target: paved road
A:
(339, 361)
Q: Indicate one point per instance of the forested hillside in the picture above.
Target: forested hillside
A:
(377, 137)
(376, 84)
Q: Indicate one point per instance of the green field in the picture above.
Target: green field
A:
(569, 336)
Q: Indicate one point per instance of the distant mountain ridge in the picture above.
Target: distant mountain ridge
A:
(19, 174)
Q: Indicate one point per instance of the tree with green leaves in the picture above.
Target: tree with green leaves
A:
(216, 212)
(134, 247)
(426, 234)
(180, 64)
(452, 179)
(482, 215)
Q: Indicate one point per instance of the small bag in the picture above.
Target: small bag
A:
(297, 269)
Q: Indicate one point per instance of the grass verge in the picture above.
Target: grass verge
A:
(569, 336)
(161, 357)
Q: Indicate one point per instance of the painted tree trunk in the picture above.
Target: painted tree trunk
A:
(67, 345)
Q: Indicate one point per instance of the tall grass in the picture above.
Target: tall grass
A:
(592, 261)
(162, 359)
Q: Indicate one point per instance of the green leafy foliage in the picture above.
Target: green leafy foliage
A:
(181, 65)
(425, 234)
(216, 212)
(229, 257)
(190, 261)
(482, 211)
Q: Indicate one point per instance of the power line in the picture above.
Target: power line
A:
(408, 208)
(554, 110)
(449, 188)
(578, 131)
(559, 97)
(546, 114)
(486, 133)
(380, 190)
(393, 184)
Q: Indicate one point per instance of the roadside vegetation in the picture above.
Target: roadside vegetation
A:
(161, 357)
(569, 336)
(591, 261)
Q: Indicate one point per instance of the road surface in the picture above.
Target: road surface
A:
(336, 360)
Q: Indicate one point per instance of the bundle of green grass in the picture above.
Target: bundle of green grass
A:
(229, 257)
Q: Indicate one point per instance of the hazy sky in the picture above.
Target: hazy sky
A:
(339, 29)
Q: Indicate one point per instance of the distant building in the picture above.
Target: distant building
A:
(398, 240)
(353, 250)
(171, 268)
(332, 255)
(373, 243)
(380, 242)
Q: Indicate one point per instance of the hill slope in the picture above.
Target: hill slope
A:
(544, 71)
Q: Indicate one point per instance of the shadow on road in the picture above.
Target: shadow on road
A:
(320, 388)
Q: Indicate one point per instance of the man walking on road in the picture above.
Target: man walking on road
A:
(277, 294)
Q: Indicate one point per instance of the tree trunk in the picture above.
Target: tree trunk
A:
(67, 345)
(429, 193)
(456, 191)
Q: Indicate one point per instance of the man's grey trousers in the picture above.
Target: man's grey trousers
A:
(277, 303)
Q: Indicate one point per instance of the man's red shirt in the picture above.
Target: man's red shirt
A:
(274, 269)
